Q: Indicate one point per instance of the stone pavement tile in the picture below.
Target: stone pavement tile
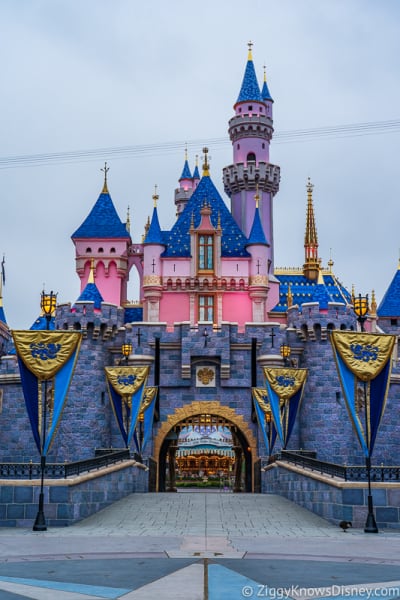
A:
(40, 593)
(185, 584)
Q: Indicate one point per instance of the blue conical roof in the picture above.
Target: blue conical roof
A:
(41, 324)
(103, 221)
(233, 241)
(3, 316)
(265, 95)
(186, 174)
(250, 90)
(390, 305)
(91, 294)
(196, 174)
(154, 234)
(257, 235)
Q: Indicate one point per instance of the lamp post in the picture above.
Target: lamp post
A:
(48, 303)
(285, 353)
(360, 304)
(268, 419)
(126, 350)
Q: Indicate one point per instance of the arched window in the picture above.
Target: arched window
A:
(251, 157)
(101, 250)
(112, 250)
(88, 250)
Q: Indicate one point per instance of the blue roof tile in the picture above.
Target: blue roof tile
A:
(102, 222)
(91, 294)
(186, 174)
(390, 305)
(41, 324)
(196, 174)
(250, 89)
(154, 234)
(233, 242)
(257, 235)
(133, 314)
(306, 290)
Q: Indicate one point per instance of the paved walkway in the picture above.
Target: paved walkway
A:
(195, 546)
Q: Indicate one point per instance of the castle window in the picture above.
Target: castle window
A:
(101, 250)
(206, 253)
(112, 250)
(238, 146)
(393, 322)
(251, 157)
(263, 145)
(206, 308)
(240, 110)
(250, 107)
(88, 250)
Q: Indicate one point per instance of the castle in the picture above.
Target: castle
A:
(213, 311)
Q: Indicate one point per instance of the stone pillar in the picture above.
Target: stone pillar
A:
(171, 468)
(237, 486)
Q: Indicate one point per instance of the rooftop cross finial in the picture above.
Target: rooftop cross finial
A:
(250, 45)
(105, 171)
(197, 160)
(186, 154)
(155, 196)
(310, 186)
(128, 220)
(257, 196)
(206, 166)
(265, 73)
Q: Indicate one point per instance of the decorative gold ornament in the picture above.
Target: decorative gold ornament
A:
(205, 375)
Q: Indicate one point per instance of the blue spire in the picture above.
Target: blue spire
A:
(257, 235)
(186, 174)
(2, 315)
(103, 220)
(196, 174)
(265, 92)
(390, 305)
(91, 293)
(154, 234)
(250, 90)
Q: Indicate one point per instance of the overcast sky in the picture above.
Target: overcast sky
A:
(91, 74)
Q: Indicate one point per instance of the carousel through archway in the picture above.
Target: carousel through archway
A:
(205, 451)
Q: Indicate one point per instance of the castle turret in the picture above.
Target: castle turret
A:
(250, 131)
(185, 190)
(152, 267)
(105, 239)
(312, 263)
(258, 282)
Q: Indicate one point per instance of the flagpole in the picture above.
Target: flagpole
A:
(48, 305)
(370, 524)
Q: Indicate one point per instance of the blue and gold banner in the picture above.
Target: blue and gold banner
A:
(46, 362)
(363, 362)
(126, 386)
(265, 418)
(147, 410)
(285, 387)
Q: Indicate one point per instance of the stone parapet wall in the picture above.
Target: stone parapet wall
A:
(67, 501)
(332, 498)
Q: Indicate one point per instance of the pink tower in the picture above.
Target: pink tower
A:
(101, 243)
(250, 131)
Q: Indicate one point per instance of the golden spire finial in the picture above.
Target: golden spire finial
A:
(330, 261)
(146, 229)
(197, 160)
(105, 171)
(353, 293)
(91, 272)
(206, 166)
(186, 154)
(312, 263)
(309, 186)
(257, 196)
(155, 196)
(373, 305)
(250, 45)
(128, 221)
(289, 297)
(265, 73)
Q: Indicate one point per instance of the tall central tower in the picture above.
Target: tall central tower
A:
(250, 131)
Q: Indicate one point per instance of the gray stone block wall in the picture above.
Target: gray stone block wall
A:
(331, 501)
(67, 504)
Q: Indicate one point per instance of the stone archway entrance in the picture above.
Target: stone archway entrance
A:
(245, 445)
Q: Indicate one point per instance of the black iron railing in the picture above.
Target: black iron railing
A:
(348, 473)
(62, 470)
